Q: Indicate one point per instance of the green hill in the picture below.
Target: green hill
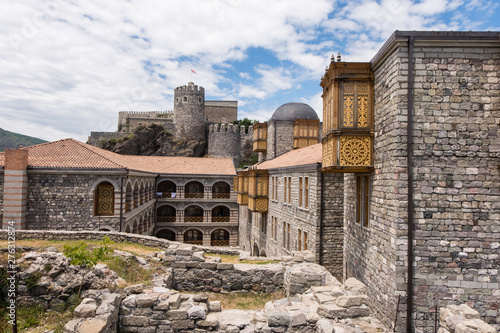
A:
(13, 140)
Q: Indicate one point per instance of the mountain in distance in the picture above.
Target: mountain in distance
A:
(13, 140)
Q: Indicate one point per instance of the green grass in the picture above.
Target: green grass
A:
(130, 270)
(248, 301)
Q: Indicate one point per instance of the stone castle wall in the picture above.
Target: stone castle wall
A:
(125, 116)
(189, 114)
(229, 141)
(95, 137)
(221, 111)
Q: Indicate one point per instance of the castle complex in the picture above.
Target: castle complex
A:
(398, 187)
(192, 118)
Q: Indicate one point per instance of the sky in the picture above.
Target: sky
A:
(67, 67)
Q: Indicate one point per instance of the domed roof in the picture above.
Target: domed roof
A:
(294, 110)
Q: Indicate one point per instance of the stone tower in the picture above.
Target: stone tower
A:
(189, 112)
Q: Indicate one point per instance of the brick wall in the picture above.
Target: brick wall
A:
(1, 194)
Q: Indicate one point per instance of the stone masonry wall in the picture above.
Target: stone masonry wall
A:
(244, 228)
(95, 137)
(62, 201)
(299, 217)
(221, 111)
(456, 159)
(333, 224)
(224, 141)
(376, 255)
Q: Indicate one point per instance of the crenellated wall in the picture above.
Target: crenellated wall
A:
(229, 141)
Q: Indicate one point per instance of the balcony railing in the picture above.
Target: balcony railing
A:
(165, 219)
(220, 242)
(127, 207)
(164, 194)
(193, 218)
(221, 195)
(193, 195)
(194, 242)
(220, 218)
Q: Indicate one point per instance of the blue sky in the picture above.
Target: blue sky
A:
(68, 67)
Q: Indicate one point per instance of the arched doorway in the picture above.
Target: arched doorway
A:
(255, 250)
(221, 190)
(219, 237)
(194, 190)
(104, 199)
(193, 236)
(165, 214)
(166, 234)
(220, 214)
(193, 214)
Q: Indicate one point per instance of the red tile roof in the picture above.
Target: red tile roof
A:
(72, 154)
(302, 156)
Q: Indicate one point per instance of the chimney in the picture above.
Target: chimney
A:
(15, 192)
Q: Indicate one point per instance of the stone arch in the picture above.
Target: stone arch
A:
(193, 236)
(255, 250)
(104, 199)
(136, 195)
(141, 193)
(193, 213)
(128, 229)
(221, 213)
(263, 253)
(165, 188)
(134, 227)
(194, 190)
(129, 197)
(221, 190)
(166, 213)
(219, 237)
(166, 234)
(104, 179)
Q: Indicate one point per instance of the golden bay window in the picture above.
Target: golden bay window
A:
(348, 118)
(305, 133)
(258, 188)
(362, 199)
(243, 188)
(260, 137)
(104, 199)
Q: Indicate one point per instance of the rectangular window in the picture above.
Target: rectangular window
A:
(275, 228)
(300, 192)
(305, 241)
(299, 243)
(284, 234)
(306, 190)
(288, 237)
(289, 189)
(285, 190)
(362, 199)
(263, 224)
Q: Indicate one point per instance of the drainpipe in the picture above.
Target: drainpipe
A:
(321, 214)
(409, 150)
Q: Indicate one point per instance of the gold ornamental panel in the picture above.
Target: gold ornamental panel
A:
(348, 111)
(261, 204)
(362, 111)
(105, 199)
(355, 150)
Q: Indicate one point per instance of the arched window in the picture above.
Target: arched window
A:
(220, 214)
(219, 237)
(193, 214)
(193, 236)
(136, 196)
(104, 199)
(165, 189)
(221, 190)
(165, 214)
(129, 200)
(194, 190)
(255, 250)
(166, 234)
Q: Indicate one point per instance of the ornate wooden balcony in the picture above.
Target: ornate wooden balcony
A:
(221, 195)
(220, 218)
(193, 218)
(221, 242)
(165, 219)
(193, 195)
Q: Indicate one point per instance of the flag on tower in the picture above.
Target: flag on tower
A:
(193, 71)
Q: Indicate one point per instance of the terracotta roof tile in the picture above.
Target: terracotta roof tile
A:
(303, 156)
(72, 154)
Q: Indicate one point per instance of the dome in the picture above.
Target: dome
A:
(294, 110)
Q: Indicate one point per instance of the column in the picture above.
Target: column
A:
(15, 188)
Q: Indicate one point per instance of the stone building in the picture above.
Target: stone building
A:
(416, 133)
(286, 203)
(192, 118)
(70, 185)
